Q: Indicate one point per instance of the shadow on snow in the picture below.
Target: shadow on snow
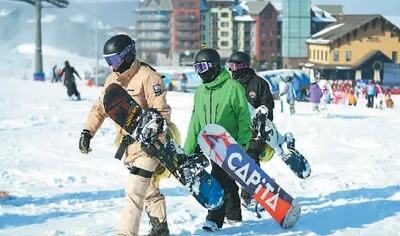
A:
(71, 197)
(15, 220)
(327, 219)
(324, 220)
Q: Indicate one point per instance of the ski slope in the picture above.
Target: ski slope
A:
(354, 188)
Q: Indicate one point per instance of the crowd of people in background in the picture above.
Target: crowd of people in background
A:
(323, 92)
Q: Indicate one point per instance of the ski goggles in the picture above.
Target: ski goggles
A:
(235, 66)
(116, 59)
(202, 67)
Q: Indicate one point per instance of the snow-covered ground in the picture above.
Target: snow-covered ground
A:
(354, 188)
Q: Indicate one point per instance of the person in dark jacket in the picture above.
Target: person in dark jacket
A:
(219, 100)
(69, 80)
(258, 93)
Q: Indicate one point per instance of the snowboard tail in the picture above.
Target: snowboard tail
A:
(127, 113)
(218, 144)
(283, 145)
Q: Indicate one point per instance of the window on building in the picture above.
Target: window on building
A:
(313, 54)
(394, 56)
(224, 15)
(336, 56)
(317, 54)
(348, 55)
(181, 4)
(326, 55)
(224, 43)
(224, 34)
(224, 24)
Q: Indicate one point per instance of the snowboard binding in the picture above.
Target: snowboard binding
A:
(188, 167)
(149, 127)
(193, 166)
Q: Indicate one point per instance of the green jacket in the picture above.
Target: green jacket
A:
(223, 102)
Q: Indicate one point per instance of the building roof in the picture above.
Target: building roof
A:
(320, 15)
(257, 7)
(241, 8)
(344, 26)
(332, 9)
(155, 5)
(394, 19)
(244, 18)
(278, 5)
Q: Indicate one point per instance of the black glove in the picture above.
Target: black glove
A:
(84, 142)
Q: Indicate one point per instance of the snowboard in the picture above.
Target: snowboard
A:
(267, 131)
(187, 169)
(218, 144)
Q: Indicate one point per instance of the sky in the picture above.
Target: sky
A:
(385, 7)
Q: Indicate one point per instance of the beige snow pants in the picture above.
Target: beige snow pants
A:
(141, 192)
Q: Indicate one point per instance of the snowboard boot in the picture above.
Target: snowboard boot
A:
(231, 221)
(210, 226)
(247, 201)
(158, 228)
(290, 141)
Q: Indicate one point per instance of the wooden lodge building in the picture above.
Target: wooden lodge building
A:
(355, 47)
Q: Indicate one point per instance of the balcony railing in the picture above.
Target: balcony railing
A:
(187, 27)
(153, 36)
(186, 18)
(153, 18)
(188, 36)
(188, 47)
(152, 27)
(145, 44)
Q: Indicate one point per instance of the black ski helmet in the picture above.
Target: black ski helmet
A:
(211, 56)
(240, 57)
(117, 44)
(208, 55)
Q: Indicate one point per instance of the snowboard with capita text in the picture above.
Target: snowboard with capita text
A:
(126, 112)
(267, 131)
(217, 143)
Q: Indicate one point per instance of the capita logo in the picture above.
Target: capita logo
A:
(248, 175)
